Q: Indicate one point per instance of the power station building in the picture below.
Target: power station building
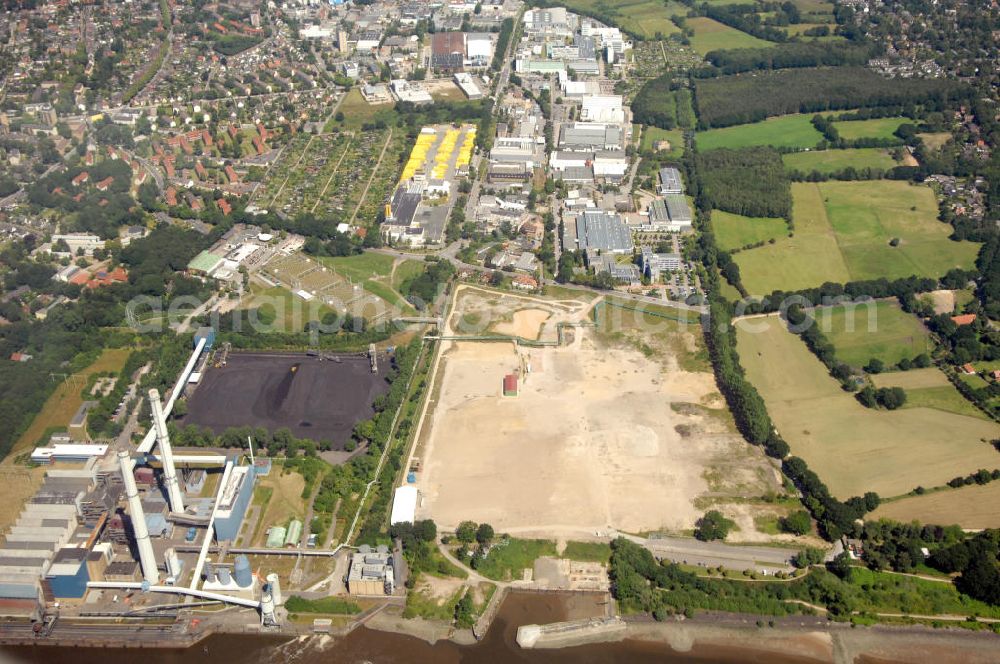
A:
(235, 499)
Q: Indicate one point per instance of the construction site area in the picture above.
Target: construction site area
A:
(593, 432)
(317, 396)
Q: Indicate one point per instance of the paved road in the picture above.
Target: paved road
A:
(712, 554)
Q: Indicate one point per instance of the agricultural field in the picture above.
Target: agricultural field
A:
(877, 128)
(929, 388)
(974, 506)
(62, 404)
(787, 131)
(614, 456)
(832, 161)
(875, 329)
(734, 231)
(855, 449)
(710, 35)
(842, 233)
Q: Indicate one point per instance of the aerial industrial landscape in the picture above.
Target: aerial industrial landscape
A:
(380, 330)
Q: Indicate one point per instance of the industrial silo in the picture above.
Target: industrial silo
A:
(242, 572)
(224, 576)
(275, 587)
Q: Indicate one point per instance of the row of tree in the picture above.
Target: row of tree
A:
(739, 99)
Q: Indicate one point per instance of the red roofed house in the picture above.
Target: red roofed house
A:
(206, 137)
(510, 385)
(525, 282)
(233, 131)
(224, 206)
(19, 357)
(104, 278)
(231, 175)
(105, 183)
(964, 319)
(200, 170)
(259, 145)
(80, 278)
(171, 196)
(81, 178)
(263, 131)
(968, 369)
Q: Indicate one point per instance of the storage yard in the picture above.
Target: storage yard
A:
(320, 399)
(589, 439)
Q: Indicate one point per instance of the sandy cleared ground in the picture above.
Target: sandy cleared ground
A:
(591, 441)
(526, 323)
(944, 301)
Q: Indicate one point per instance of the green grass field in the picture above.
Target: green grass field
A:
(506, 561)
(284, 310)
(869, 330)
(855, 449)
(935, 141)
(842, 233)
(733, 231)
(786, 131)
(831, 161)
(807, 259)
(597, 552)
(651, 135)
(877, 128)
(361, 266)
(645, 18)
(710, 35)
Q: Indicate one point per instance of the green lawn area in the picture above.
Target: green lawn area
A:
(842, 233)
(876, 128)
(406, 271)
(733, 231)
(284, 310)
(875, 329)
(855, 449)
(786, 131)
(831, 161)
(651, 135)
(357, 111)
(645, 18)
(892, 593)
(597, 552)
(506, 561)
(361, 266)
(935, 141)
(296, 604)
(710, 35)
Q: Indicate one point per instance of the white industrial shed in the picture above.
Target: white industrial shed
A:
(404, 505)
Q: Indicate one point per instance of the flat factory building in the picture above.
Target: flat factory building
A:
(233, 503)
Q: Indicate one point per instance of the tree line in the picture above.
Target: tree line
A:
(793, 55)
(741, 99)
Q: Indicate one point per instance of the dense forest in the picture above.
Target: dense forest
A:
(752, 182)
(739, 99)
(788, 56)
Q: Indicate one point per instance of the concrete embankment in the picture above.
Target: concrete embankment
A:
(571, 633)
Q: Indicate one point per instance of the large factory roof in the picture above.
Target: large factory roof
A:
(67, 452)
(232, 490)
(404, 505)
(597, 229)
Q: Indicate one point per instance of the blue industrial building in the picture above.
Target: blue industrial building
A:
(233, 503)
(68, 575)
(206, 333)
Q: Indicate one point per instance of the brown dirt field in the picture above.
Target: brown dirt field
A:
(526, 323)
(943, 301)
(910, 160)
(590, 441)
(62, 404)
(970, 507)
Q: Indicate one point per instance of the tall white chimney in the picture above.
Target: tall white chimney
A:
(166, 454)
(146, 558)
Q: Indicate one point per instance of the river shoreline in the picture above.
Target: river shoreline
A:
(833, 642)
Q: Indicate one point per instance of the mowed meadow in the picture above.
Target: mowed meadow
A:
(855, 449)
(875, 329)
(843, 231)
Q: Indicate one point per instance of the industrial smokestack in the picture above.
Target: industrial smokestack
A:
(166, 454)
(146, 558)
